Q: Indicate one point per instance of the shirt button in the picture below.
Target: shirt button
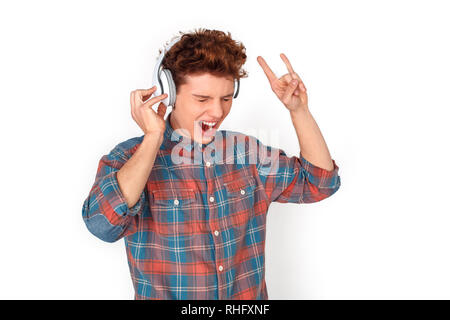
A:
(242, 191)
(216, 233)
(211, 199)
(220, 268)
(208, 164)
(176, 202)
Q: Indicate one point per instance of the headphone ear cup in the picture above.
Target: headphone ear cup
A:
(236, 88)
(172, 92)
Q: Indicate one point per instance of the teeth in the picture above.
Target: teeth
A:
(210, 124)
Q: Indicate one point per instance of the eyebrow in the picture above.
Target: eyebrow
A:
(202, 96)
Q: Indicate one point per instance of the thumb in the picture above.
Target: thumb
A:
(290, 90)
(162, 109)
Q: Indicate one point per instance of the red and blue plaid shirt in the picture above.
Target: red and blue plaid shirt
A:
(198, 230)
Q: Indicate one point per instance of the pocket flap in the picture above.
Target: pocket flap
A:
(246, 183)
(174, 197)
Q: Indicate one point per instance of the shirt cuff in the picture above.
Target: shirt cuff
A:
(114, 196)
(321, 177)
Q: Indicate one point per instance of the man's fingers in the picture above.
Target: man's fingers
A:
(269, 73)
(288, 64)
(147, 92)
(293, 85)
(144, 94)
(154, 100)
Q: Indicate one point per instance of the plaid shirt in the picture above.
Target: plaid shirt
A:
(198, 230)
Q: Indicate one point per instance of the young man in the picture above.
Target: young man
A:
(192, 213)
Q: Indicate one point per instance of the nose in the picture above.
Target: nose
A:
(216, 110)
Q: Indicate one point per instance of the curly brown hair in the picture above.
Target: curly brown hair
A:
(203, 50)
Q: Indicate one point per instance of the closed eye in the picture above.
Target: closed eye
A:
(207, 99)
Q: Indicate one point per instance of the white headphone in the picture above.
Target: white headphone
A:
(162, 78)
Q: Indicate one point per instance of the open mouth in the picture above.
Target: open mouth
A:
(208, 126)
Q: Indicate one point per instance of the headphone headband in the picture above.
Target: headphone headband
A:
(157, 80)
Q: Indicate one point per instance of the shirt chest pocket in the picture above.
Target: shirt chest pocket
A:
(241, 201)
(176, 213)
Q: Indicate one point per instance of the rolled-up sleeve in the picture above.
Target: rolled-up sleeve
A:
(105, 210)
(295, 179)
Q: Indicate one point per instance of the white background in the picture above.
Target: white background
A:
(377, 74)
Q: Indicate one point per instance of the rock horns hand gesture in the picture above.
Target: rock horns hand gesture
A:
(289, 88)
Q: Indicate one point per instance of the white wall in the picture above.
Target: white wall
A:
(377, 77)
